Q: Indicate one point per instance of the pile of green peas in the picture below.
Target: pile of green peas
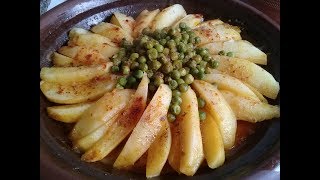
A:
(168, 56)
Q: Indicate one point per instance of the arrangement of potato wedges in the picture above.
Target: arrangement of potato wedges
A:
(134, 121)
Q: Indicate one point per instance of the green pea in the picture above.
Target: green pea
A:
(168, 38)
(131, 80)
(188, 29)
(175, 74)
(177, 39)
(149, 73)
(171, 43)
(159, 47)
(213, 64)
(134, 65)
(134, 56)
(156, 65)
(174, 56)
(176, 100)
(175, 109)
(142, 59)
(202, 115)
(192, 40)
(126, 44)
(138, 74)
(172, 32)
(144, 39)
(207, 58)
(194, 71)
(143, 67)
(157, 34)
(116, 61)
(182, 71)
(201, 103)
(176, 93)
(203, 64)
(222, 53)
(182, 47)
(122, 81)
(158, 75)
(201, 69)
(201, 75)
(163, 42)
(230, 54)
(188, 79)
(192, 34)
(187, 70)
(191, 54)
(183, 87)
(115, 69)
(167, 79)
(125, 70)
(185, 36)
(166, 51)
(189, 47)
(192, 64)
(180, 81)
(198, 59)
(163, 59)
(173, 50)
(203, 52)
(207, 70)
(197, 40)
(122, 52)
(118, 86)
(173, 84)
(181, 56)
(171, 117)
(182, 25)
(158, 81)
(149, 45)
(177, 64)
(152, 53)
(167, 68)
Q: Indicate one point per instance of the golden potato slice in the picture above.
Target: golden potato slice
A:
(79, 92)
(212, 142)
(77, 31)
(101, 112)
(60, 60)
(218, 107)
(168, 16)
(123, 21)
(190, 135)
(122, 126)
(86, 142)
(251, 110)
(241, 49)
(192, 20)
(158, 151)
(147, 128)
(219, 32)
(226, 82)
(258, 94)
(144, 20)
(175, 149)
(111, 31)
(95, 41)
(210, 23)
(250, 73)
(83, 56)
(67, 75)
(68, 113)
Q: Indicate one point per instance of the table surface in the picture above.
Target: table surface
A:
(273, 13)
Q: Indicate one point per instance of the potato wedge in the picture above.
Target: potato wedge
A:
(158, 151)
(218, 107)
(111, 31)
(190, 134)
(86, 142)
(101, 112)
(175, 149)
(123, 21)
(168, 16)
(212, 142)
(226, 82)
(95, 41)
(80, 92)
(60, 60)
(68, 113)
(67, 75)
(77, 31)
(258, 94)
(147, 128)
(251, 110)
(241, 49)
(122, 126)
(250, 73)
(216, 33)
(83, 56)
(144, 20)
(192, 20)
(210, 23)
